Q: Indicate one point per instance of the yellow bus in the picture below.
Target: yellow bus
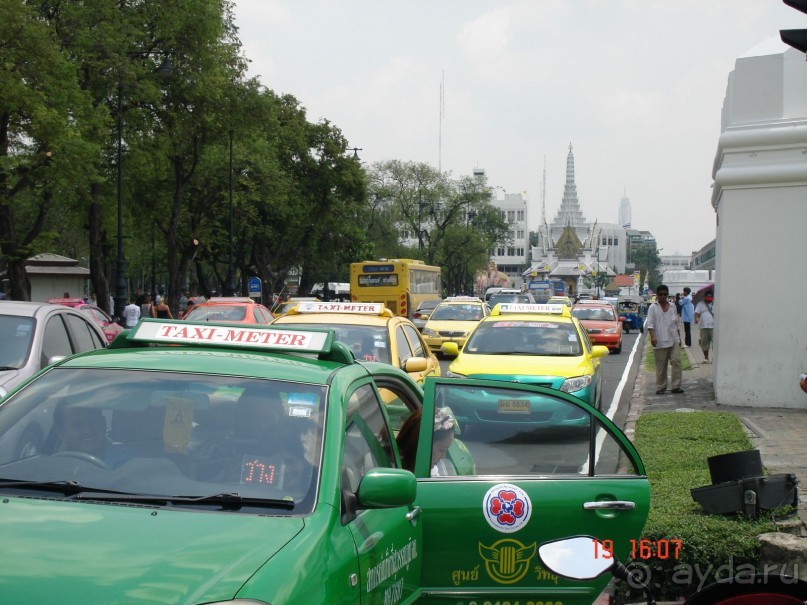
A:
(400, 283)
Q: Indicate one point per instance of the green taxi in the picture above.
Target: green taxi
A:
(534, 344)
(216, 463)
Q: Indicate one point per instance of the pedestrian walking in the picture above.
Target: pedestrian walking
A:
(687, 316)
(161, 310)
(704, 315)
(145, 308)
(183, 303)
(662, 325)
(131, 314)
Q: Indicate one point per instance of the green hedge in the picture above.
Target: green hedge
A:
(674, 447)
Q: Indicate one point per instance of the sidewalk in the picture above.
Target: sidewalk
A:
(779, 434)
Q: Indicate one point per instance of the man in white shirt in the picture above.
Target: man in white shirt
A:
(131, 314)
(662, 325)
(705, 318)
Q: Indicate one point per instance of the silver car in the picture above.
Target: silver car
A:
(34, 335)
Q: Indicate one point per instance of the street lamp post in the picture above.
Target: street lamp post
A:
(597, 276)
(120, 264)
(230, 286)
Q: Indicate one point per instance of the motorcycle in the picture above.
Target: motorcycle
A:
(574, 558)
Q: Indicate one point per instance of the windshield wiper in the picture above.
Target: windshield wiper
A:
(232, 501)
(8, 368)
(68, 488)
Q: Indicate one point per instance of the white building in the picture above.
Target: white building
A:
(760, 197)
(511, 256)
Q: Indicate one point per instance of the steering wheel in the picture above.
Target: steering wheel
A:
(83, 456)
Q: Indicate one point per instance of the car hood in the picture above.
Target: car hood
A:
(451, 325)
(73, 552)
(493, 366)
(594, 324)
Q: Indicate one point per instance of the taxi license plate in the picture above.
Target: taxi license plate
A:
(521, 406)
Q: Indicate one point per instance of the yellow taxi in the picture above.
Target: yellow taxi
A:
(371, 331)
(537, 344)
(283, 307)
(453, 320)
(561, 300)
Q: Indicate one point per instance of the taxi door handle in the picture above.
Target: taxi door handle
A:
(412, 515)
(609, 505)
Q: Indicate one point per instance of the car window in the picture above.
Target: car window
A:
(367, 439)
(404, 350)
(82, 333)
(524, 337)
(594, 313)
(418, 347)
(55, 341)
(16, 334)
(516, 433)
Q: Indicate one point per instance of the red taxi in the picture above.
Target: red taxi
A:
(99, 316)
(230, 309)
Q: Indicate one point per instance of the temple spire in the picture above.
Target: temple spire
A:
(570, 212)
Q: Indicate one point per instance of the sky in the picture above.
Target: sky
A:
(635, 86)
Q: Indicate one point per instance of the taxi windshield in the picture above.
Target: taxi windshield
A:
(217, 313)
(524, 337)
(368, 343)
(172, 437)
(595, 314)
(457, 313)
(16, 334)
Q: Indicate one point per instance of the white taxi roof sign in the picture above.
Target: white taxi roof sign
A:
(341, 307)
(223, 335)
(463, 299)
(543, 309)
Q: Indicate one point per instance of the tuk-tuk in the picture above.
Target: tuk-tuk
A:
(631, 311)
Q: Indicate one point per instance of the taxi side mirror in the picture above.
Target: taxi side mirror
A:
(599, 351)
(450, 348)
(415, 364)
(387, 488)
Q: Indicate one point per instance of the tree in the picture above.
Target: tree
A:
(453, 221)
(647, 260)
(43, 114)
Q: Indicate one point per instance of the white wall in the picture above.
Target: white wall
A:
(760, 195)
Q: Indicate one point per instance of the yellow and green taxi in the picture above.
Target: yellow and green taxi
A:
(561, 300)
(534, 344)
(371, 331)
(229, 464)
(453, 320)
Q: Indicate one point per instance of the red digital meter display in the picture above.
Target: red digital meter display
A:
(260, 471)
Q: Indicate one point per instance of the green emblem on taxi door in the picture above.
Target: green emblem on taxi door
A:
(507, 561)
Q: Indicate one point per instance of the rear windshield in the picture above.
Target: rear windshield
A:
(217, 313)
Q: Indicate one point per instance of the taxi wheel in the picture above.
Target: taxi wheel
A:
(619, 348)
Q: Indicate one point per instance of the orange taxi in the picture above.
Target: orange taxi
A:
(229, 309)
(601, 322)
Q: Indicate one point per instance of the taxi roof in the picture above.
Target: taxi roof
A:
(341, 308)
(555, 310)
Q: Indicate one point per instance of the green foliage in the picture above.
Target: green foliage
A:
(675, 447)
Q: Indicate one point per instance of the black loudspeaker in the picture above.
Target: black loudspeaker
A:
(738, 485)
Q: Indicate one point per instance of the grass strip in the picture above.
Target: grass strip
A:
(675, 447)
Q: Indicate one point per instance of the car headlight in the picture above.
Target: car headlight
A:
(570, 385)
(450, 374)
(611, 331)
(429, 332)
